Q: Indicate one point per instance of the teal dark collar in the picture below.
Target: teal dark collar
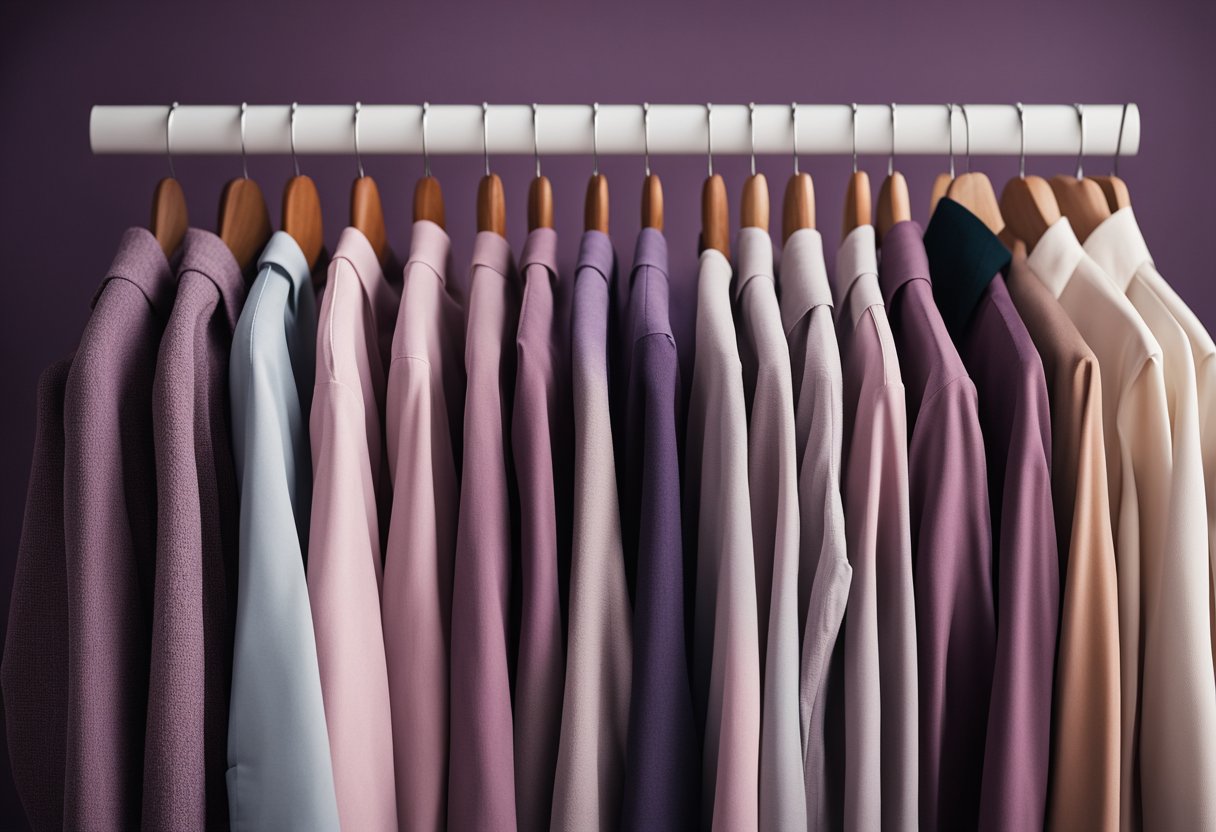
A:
(964, 256)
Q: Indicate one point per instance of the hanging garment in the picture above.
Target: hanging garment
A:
(661, 782)
(279, 770)
(1083, 785)
(34, 672)
(540, 443)
(425, 413)
(824, 574)
(1178, 706)
(880, 681)
(718, 518)
(481, 785)
(351, 494)
(185, 755)
(110, 535)
(587, 788)
(965, 259)
(1135, 416)
(951, 539)
(772, 465)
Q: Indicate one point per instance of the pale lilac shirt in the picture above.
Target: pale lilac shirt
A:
(880, 681)
(425, 411)
(481, 782)
(350, 488)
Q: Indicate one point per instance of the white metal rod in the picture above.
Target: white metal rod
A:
(1050, 129)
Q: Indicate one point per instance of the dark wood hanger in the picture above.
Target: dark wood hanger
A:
(894, 205)
(491, 205)
(595, 206)
(244, 222)
(1082, 201)
(170, 219)
(428, 201)
(367, 215)
(754, 207)
(540, 203)
(857, 210)
(715, 215)
(798, 208)
(652, 202)
(302, 217)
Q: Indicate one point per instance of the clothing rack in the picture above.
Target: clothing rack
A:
(551, 129)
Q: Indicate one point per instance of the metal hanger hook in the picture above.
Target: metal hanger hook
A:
(794, 125)
(485, 134)
(854, 106)
(535, 141)
(595, 139)
(291, 128)
(646, 135)
(426, 156)
(1081, 147)
(244, 163)
(891, 158)
(967, 129)
(1021, 140)
(751, 127)
(950, 137)
(358, 155)
(709, 135)
(1119, 141)
(169, 138)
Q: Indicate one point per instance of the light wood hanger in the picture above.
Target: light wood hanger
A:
(894, 205)
(754, 210)
(244, 221)
(1081, 200)
(857, 210)
(941, 182)
(1027, 203)
(974, 191)
(170, 218)
(715, 210)
(652, 188)
(302, 206)
(428, 196)
(1114, 188)
(595, 206)
(491, 204)
(798, 207)
(366, 209)
(540, 192)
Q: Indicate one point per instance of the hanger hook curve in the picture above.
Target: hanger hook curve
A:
(485, 134)
(291, 128)
(709, 135)
(950, 136)
(358, 155)
(794, 125)
(169, 138)
(967, 128)
(426, 156)
(1119, 142)
(854, 106)
(535, 141)
(595, 138)
(1021, 140)
(244, 163)
(646, 134)
(1081, 146)
(751, 127)
(891, 158)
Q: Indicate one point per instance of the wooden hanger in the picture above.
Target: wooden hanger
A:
(302, 207)
(1081, 200)
(941, 182)
(540, 192)
(244, 221)
(366, 209)
(170, 218)
(798, 207)
(1028, 205)
(1114, 188)
(715, 210)
(652, 188)
(894, 205)
(491, 204)
(595, 206)
(857, 210)
(974, 191)
(754, 209)
(428, 196)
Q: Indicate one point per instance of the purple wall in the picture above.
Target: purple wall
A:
(63, 210)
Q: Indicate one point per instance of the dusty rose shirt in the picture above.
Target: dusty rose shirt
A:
(481, 783)
(726, 641)
(951, 539)
(880, 681)
(425, 409)
(350, 486)
(185, 754)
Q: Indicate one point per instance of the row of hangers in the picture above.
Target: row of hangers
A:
(1026, 209)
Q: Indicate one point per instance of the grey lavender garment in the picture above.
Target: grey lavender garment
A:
(34, 673)
(966, 259)
(279, 771)
(196, 547)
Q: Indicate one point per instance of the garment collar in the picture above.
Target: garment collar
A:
(491, 251)
(431, 247)
(855, 260)
(206, 254)
(1056, 256)
(903, 259)
(1118, 247)
(755, 258)
(283, 254)
(540, 249)
(804, 277)
(141, 261)
(595, 253)
(355, 249)
(964, 256)
(651, 252)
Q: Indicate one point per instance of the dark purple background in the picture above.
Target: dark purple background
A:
(63, 210)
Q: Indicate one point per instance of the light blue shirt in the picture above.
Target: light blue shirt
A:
(279, 775)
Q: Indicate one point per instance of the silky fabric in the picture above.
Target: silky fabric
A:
(880, 677)
(197, 534)
(34, 670)
(425, 411)
(661, 781)
(1178, 707)
(1135, 425)
(951, 539)
(588, 783)
(279, 770)
(726, 640)
(481, 781)
(772, 465)
(824, 573)
(351, 493)
(540, 442)
(1083, 781)
(966, 258)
